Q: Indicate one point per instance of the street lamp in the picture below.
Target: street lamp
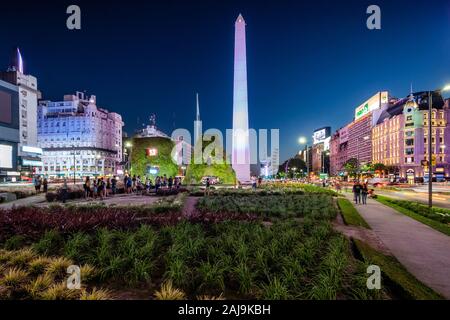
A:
(430, 144)
(304, 141)
(129, 145)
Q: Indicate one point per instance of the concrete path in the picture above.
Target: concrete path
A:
(424, 251)
(29, 201)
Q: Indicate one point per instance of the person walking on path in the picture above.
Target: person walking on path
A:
(357, 192)
(364, 193)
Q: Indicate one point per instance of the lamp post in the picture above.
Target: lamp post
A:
(304, 141)
(74, 164)
(430, 143)
(129, 145)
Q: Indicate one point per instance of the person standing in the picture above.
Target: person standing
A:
(208, 185)
(37, 184)
(95, 188)
(64, 191)
(364, 193)
(114, 185)
(87, 187)
(45, 184)
(108, 187)
(357, 192)
(253, 182)
(170, 182)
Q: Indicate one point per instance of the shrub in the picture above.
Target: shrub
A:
(168, 292)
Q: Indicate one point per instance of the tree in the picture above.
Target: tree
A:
(292, 166)
(351, 166)
(380, 168)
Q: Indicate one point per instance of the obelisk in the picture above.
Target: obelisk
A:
(240, 145)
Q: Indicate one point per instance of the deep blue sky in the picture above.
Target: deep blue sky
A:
(310, 63)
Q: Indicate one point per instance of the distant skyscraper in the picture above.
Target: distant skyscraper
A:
(240, 146)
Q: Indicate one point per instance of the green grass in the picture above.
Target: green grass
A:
(350, 214)
(395, 275)
(441, 227)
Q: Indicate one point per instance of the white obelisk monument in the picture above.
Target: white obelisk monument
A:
(240, 146)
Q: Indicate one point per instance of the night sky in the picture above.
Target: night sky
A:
(310, 63)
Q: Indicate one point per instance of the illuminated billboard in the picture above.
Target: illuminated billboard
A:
(320, 135)
(6, 156)
(372, 104)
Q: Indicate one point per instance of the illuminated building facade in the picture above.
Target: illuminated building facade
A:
(29, 155)
(9, 131)
(400, 138)
(338, 151)
(78, 138)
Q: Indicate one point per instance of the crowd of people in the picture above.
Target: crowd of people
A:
(138, 185)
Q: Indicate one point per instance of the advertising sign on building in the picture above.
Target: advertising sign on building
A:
(320, 135)
(372, 104)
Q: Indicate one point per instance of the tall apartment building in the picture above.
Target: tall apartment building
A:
(338, 151)
(29, 155)
(354, 141)
(78, 138)
(9, 131)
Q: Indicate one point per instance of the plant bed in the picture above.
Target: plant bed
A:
(24, 275)
(350, 214)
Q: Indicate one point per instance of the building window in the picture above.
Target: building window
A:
(409, 142)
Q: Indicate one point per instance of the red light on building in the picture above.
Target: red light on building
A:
(152, 152)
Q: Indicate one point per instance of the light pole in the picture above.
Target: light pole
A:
(129, 145)
(304, 141)
(74, 164)
(430, 143)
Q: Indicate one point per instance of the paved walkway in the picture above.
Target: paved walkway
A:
(424, 251)
(29, 201)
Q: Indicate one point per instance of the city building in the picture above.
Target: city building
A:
(29, 154)
(354, 141)
(320, 151)
(338, 152)
(78, 138)
(9, 131)
(360, 130)
(240, 146)
(400, 138)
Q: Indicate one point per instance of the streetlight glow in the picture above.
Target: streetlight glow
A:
(302, 140)
(446, 88)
